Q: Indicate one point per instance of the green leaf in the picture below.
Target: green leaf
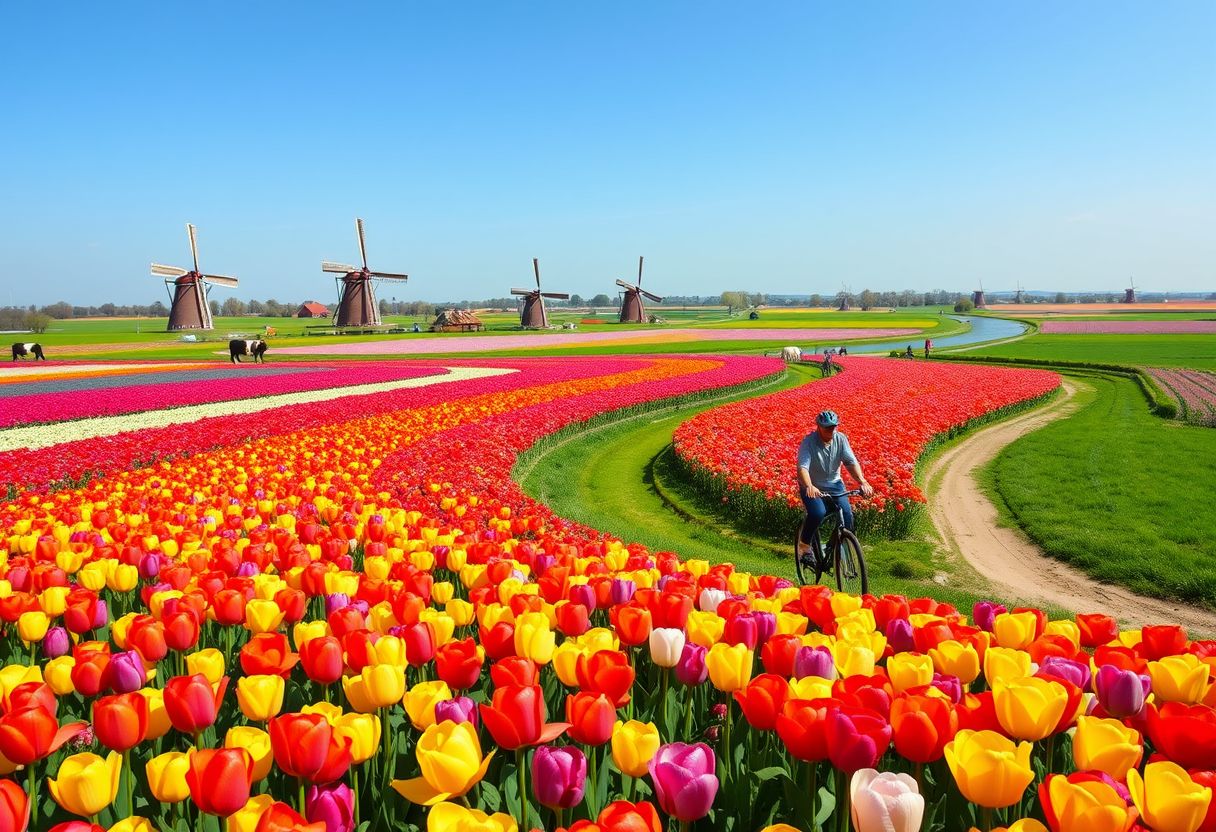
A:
(771, 772)
(827, 806)
(490, 798)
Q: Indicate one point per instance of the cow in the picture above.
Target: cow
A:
(254, 347)
(791, 354)
(23, 350)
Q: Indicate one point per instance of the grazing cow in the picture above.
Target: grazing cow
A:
(791, 354)
(254, 347)
(23, 350)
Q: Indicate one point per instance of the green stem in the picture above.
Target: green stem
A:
(33, 785)
(130, 776)
(812, 785)
(986, 819)
(630, 787)
(687, 716)
(521, 762)
(842, 801)
(301, 808)
(354, 780)
(664, 674)
(592, 785)
(726, 744)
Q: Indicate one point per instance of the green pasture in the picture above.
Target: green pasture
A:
(620, 478)
(1117, 492)
(1194, 351)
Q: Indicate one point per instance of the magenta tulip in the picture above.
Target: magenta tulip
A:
(685, 779)
(814, 661)
(691, 669)
(333, 805)
(1121, 693)
(559, 776)
(857, 738)
(460, 709)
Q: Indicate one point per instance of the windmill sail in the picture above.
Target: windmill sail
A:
(357, 305)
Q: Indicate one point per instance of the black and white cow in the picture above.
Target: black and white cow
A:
(23, 350)
(256, 348)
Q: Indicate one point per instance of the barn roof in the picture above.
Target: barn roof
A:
(315, 308)
(457, 317)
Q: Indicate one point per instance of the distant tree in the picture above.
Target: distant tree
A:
(256, 307)
(963, 305)
(60, 310)
(232, 307)
(868, 300)
(215, 306)
(733, 301)
(756, 299)
(577, 300)
(816, 301)
(1061, 297)
(37, 322)
(156, 310)
(601, 300)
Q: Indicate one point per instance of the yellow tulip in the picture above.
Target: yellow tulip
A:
(1088, 805)
(1106, 745)
(263, 616)
(443, 626)
(58, 674)
(1022, 825)
(124, 578)
(1182, 678)
(705, 628)
(54, 600)
(158, 717)
(1015, 629)
(909, 670)
(810, 687)
(843, 603)
(1005, 663)
(13, 675)
(92, 576)
(364, 733)
(376, 686)
(209, 662)
(330, 711)
(246, 819)
(133, 824)
(1067, 628)
(86, 783)
(1168, 799)
(533, 637)
(599, 638)
(119, 629)
(442, 592)
(166, 776)
(260, 696)
(853, 659)
(257, 743)
(954, 658)
(1028, 708)
(792, 623)
(460, 610)
(634, 743)
(308, 630)
(449, 755)
(730, 666)
(32, 626)
(451, 817)
(565, 662)
(989, 769)
(420, 701)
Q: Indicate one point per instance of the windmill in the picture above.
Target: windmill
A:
(633, 311)
(843, 298)
(532, 314)
(356, 297)
(188, 308)
(1129, 295)
(977, 297)
(1019, 297)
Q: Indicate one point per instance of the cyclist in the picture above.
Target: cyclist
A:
(820, 456)
(827, 366)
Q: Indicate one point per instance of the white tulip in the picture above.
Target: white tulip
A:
(886, 802)
(710, 599)
(666, 645)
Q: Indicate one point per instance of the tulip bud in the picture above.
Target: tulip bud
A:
(666, 646)
(885, 802)
(559, 776)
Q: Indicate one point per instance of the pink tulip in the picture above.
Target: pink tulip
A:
(685, 779)
(885, 802)
(559, 776)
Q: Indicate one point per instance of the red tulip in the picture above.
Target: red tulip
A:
(322, 659)
(1097, 629)
(1162, 640)
(419, 643)
(268, 654)
(229, 607)
(32, 733)
(802, 727)
(608, 672)
(623, 816)
(220, 779)
(81, 611)
(498, 641)
(591, 717)
(190, 702)
(514, 670)
(181, 629)
(30, 694)
(293, 603)
(632, 623)
(459, 664)
(515, 718)
(921, 726)
(121, 721)
(763, 699)
(279, 817)
(147, 637)
(14, 807)
(778, 654)
(977, 712)
(573, 619)
(89, 673)
(1184, 733)
(304, 745)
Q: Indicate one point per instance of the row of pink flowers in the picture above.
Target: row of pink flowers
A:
(1195, 389)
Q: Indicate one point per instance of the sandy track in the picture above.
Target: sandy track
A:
(967, 522)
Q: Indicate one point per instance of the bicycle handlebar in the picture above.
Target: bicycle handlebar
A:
(852, 493)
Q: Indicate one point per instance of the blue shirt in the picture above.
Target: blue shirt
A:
(822, 461)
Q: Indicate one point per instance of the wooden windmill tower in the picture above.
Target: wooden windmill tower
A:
(977, 297)
(532, 313)
(356, 296)
(1129, 295)
(1020, 297)
(189, 308)
(633, 311)
(843, 298)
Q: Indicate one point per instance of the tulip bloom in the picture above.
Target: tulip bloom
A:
(209, 662)
(909, 670)
(376, 686)
(459, 663)
(1168, 799)
(730, 666)
(623, 816)
(1082, 802)
(1029, 708)
(322, 659)
(304, 746)
(86, 783)
(331, 807)
(1121, 693)
(762, 700)
(857, 737)
(533, 637)
(1106, 745)
(279, 817)
(191, 702)
(515, 718)
(607, 672)
(684, 779)
(1179, 678)
(666, 645)
(268, 654)
(14, 807)
(31, 733)
(449, 755)
(220, 779)
(886, 802)
(921, 726)
(559, 776)
(121, 721)
(802, 727)
(260, 697)
(421, 699)
(1184, 733)
(166, 776)
(990, 770)
(691, 670)
(633, 745)
(257, 743)
(451, 817)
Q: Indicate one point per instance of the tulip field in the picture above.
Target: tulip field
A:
(340, 613)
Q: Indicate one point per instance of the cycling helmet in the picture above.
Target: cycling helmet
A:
(827, 419)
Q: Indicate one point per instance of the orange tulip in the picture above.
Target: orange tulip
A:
(121, 721)
(220, 779)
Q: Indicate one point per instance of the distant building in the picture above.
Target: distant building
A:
(312, 309)
(457, 320)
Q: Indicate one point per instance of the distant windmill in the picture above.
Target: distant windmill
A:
(633, 311)
(189, 309)
(356, 296)
(977, 297)
(532, 315)
(1019, 298)
(844, 297)
(1129, 295)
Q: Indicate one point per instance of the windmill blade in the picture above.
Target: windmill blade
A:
(536, 269)
(193, 244)
(639, 271)
(654, 298)
(628, 286)
(337, 268)
(555, 295)
(168, 271)
(523, 291)
(362, 245)
(389, 276)
(220, 279)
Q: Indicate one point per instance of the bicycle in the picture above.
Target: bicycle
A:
(827, 367)
(836, 550)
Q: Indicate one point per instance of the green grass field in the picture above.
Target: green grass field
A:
(1195, 351)
(1119, 493)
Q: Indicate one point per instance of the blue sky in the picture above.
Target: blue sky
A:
(778, 147)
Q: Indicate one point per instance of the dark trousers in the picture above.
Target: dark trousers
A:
(818, 508)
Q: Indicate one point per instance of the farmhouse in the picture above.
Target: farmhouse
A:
(457, 320)
(312, 309)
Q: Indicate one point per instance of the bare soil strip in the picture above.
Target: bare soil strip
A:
(968, 524)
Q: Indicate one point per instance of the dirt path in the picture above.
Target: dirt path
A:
(967, 522)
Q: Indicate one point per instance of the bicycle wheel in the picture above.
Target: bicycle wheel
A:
(802, 570)
(850, 564)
